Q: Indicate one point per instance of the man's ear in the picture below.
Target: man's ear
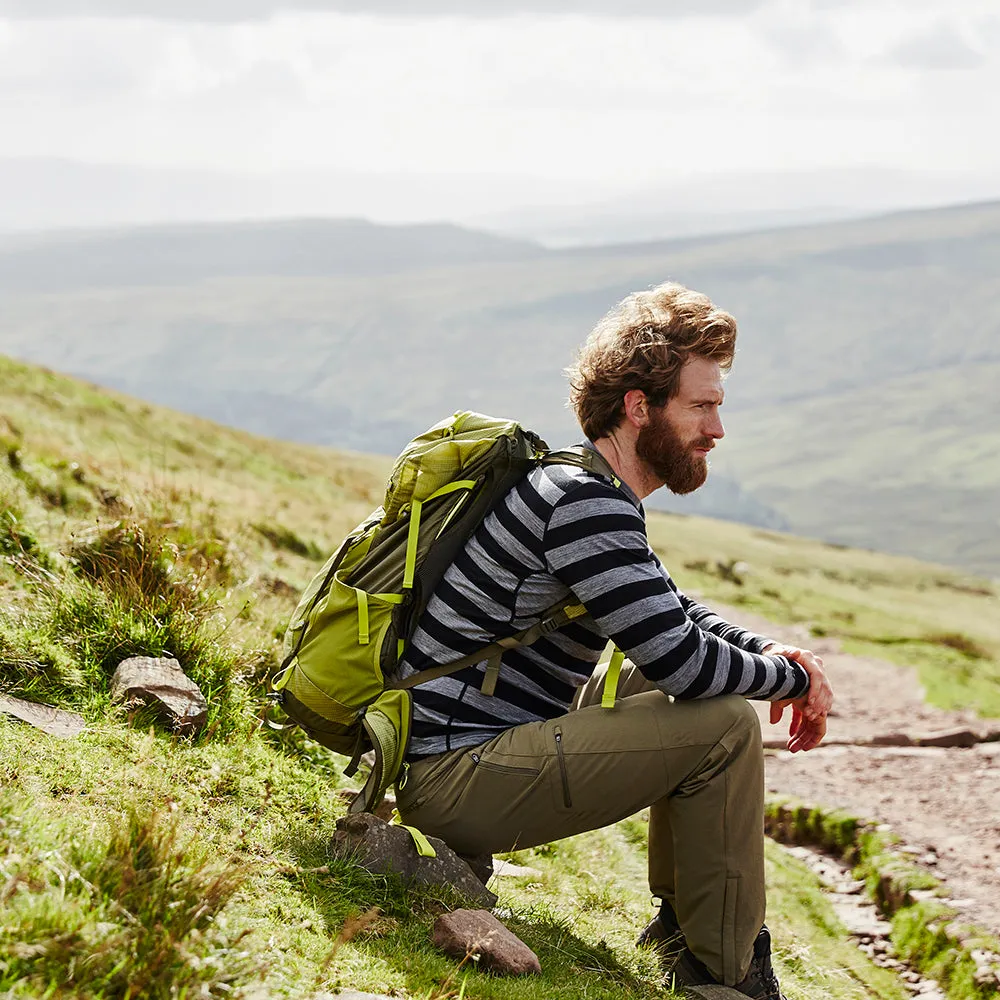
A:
(636, 407)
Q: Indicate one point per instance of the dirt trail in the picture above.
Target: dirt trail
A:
(944, 803)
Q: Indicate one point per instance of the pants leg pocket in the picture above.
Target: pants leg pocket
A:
(498, 808)
(489, 762)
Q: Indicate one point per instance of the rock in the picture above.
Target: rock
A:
(54, 721)
(483, 866)
(383, 849)
(891, 740)
(948, 738)
(476, 932)
(383, 810)
(161, 679)
(507, 869)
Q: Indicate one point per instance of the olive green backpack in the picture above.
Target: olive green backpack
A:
(347, 635)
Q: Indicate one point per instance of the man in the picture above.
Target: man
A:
(541, 759)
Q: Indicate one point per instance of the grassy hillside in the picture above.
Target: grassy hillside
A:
(861, 407)
(140, 863)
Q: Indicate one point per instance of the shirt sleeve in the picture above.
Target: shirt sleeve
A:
(710, 621)
(595, 543)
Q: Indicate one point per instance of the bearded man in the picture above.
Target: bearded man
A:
(541, 758)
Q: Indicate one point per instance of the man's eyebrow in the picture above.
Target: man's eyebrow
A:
(712, 396)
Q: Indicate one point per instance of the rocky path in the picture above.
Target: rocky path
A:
(944, 803)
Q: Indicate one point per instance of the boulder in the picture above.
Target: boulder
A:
(385, 849)
(477, 932)
(54, 721)
(161, 680)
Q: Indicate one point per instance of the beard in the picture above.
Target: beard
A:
(669, 458)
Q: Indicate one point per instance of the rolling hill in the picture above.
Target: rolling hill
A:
(862, 408)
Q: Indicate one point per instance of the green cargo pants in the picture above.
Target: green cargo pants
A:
(697, 765)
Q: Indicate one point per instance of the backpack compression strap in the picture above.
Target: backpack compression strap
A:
(554, 618)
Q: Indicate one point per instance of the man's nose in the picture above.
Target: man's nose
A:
(715, 428)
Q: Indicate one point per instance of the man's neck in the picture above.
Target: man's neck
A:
(619, 452)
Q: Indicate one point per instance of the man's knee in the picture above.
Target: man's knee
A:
(727, 719)
(742, 718)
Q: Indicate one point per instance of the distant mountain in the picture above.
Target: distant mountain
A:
(169, 255)
(862, 407)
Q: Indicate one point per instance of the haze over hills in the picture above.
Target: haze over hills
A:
(862, 407)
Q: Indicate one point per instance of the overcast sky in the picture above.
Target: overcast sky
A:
(587, 100)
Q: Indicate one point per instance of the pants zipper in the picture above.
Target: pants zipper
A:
(502, 768)
(564, 774)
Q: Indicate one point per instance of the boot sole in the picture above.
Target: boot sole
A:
(712, 993)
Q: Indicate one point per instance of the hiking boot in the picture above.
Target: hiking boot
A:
(760, 982)
(664, 934)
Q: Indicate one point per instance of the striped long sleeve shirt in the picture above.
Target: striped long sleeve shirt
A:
(567, 533)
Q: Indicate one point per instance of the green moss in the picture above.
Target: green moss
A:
(919, 926)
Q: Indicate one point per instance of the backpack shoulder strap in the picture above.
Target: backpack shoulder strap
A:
(583, 458)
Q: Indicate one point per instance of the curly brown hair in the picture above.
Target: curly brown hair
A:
(642, 344)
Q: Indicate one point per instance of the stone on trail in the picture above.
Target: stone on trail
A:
(891, 740)
(477, 932)
(161, 679)
(384, 849)
(54, 721)
(507, 869)
(948, 738)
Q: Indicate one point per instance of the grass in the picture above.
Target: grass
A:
(206, 860)
(942, 622)
(138, 914)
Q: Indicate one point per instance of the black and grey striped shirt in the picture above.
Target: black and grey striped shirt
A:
(566, 532)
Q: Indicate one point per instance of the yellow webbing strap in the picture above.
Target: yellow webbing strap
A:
(413, 533)
(411, 545)
(611, 679)
(363, 638)
(458, 484)
(489, 685)
(422, 844)
(363, 632)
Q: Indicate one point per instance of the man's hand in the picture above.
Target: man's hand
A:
(803, 733)
(818, 701)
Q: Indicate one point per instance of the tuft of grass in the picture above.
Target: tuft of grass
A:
(19, 545)
(63, 645)
(962, 643)
(139, 916)
(131, 559)
(284, 538)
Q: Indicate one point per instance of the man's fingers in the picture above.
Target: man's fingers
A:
(777, 711)
(808, 737)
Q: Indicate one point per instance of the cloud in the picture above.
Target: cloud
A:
(939, 48)
(228, 11)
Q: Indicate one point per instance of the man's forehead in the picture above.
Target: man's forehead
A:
(701, 377)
